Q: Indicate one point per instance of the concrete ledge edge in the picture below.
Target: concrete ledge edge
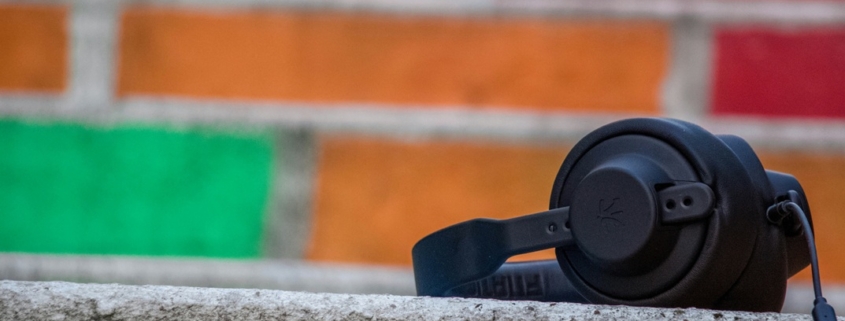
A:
(71, 301)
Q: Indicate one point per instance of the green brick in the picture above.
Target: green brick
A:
(137, 190)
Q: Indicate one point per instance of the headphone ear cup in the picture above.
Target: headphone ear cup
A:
(728, 250)
(762, 286)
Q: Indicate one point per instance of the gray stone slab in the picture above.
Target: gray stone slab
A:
(71, 301)
(290, 275)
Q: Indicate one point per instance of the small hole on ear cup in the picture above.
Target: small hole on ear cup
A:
(552, 227)
(670, 204)
(566, 225)
(687, 201)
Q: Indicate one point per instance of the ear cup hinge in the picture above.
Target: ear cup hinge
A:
(686, 202)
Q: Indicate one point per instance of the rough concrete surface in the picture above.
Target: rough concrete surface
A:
(20, 300)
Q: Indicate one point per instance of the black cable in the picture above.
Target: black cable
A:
(808, 233)
(821, 310)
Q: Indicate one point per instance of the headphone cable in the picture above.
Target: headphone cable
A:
(822, 311)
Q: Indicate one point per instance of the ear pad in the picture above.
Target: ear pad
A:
(762, 285)
(708, 262)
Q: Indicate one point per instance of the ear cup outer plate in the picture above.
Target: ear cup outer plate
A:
(653, 274)
(730, 232)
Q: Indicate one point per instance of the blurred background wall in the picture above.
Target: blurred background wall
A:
(341, 132)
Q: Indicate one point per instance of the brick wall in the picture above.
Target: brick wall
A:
(345, 132)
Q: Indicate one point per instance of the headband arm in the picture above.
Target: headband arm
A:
(473, 250)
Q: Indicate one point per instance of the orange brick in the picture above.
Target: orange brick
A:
(823, 179)
(537, 63)
(375, 199)
(33, 48)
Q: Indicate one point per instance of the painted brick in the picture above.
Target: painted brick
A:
(780, 72)
(823, 180)
(137, 190)
(376, 198)
(33, 48)
(536, 63)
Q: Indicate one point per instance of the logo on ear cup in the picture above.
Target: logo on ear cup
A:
(608, 210)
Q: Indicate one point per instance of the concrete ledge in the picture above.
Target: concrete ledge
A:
(289, 275)
(71, 301)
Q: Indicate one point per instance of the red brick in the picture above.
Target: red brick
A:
(780, 72)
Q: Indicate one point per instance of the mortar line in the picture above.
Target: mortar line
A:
(288, 215)
(686, 88)
(424, 122)
(93, 34)
(710, 10)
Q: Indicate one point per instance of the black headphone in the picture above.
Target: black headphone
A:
(646, 212)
